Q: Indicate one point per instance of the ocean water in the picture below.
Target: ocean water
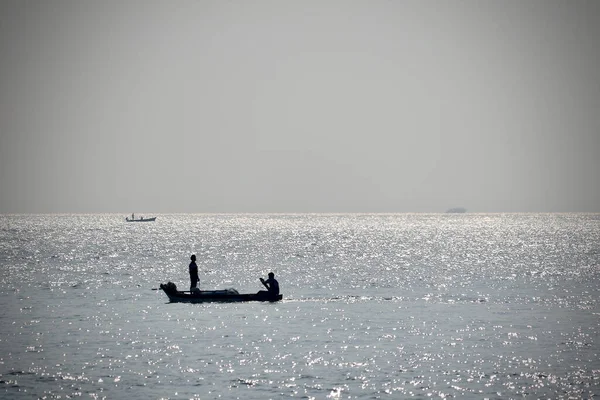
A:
(481, 306)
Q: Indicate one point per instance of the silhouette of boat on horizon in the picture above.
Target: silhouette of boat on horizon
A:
(457, 210)
(140, 219)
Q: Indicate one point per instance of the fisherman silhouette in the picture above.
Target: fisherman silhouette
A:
(271, 284)
(194, 279)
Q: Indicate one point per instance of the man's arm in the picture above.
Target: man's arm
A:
(264, 283)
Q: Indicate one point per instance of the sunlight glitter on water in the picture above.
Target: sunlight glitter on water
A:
(483, 306)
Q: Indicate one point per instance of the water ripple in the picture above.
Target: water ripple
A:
(410, 305)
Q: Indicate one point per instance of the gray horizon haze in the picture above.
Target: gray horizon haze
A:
(299, 106)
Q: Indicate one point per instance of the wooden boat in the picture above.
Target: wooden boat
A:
(205, 296)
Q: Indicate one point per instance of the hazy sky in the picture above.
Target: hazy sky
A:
(299, 106)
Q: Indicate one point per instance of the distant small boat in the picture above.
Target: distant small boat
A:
(140, 219)
(457, 210)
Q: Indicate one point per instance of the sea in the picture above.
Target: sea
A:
(375, 306)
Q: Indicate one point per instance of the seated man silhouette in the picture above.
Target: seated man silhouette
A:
(271, 284)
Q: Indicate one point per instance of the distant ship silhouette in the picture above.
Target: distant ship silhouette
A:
(457, 210)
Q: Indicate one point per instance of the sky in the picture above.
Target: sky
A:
(194, 106)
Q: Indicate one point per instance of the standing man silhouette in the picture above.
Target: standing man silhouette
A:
(193, 273)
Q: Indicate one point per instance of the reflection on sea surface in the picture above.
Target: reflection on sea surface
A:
(440, 305)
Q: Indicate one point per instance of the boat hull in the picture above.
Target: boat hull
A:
(220, 296)
(141, 219)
